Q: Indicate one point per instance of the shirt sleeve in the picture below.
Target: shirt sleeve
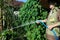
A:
(58, 16)
(59, 23)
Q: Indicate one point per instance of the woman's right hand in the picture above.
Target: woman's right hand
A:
(38, 21)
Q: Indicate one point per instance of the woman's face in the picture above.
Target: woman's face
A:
(51, 6)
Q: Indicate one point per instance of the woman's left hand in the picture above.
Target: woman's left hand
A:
(50, 27)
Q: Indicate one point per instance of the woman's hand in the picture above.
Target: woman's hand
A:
(42, 21)
(50, 27)
(54, 25)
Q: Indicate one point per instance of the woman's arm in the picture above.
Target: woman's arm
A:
(54, 25)
(44, 20)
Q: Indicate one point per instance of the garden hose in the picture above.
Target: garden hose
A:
(56, 38)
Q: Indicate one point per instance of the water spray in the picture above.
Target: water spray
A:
(25, 24)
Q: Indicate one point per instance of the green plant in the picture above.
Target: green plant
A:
(32, 11)
(8, 21)
(7, 35)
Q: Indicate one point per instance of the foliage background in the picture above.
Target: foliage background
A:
(32, 11)
(29, 12)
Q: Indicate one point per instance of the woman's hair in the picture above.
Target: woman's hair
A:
(52, 3)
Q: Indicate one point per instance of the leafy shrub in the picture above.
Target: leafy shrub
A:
(32, 11)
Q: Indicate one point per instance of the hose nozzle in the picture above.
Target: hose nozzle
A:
(38, 21)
